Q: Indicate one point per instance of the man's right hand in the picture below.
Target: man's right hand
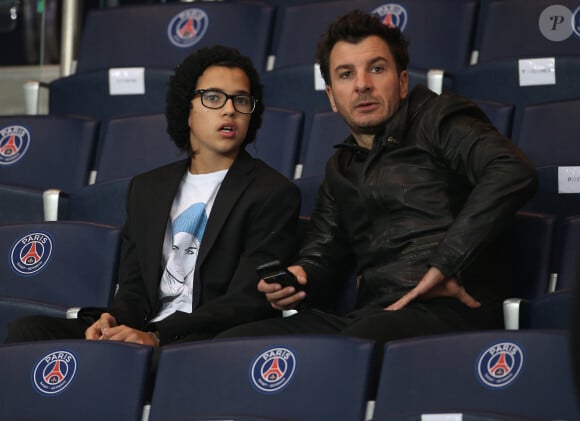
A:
(284, 298)
(95, 331)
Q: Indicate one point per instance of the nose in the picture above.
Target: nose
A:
(362, 82)
(228, 108)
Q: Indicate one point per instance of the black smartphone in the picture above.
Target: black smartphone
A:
(273, 273)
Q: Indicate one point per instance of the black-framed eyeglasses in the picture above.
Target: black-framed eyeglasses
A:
(214, 99)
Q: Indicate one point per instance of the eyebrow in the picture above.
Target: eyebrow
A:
(372, 61)
(240, 92)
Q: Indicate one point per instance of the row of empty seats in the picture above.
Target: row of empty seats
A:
(489, 375)
(449, 34)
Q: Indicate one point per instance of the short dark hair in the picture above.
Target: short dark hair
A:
(184, 81)
(353, 28)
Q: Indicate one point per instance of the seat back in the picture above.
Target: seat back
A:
(15, 308)
(162, 35)
(525, 29)
(61, 263)
(504, 81)
(102, 203)
(132, 145)
(548, 133)
(554, 194)
(70, 95)
(501, 115)
(530, 247)
(42, 152)
(327, 130)
(569, 252)
(297, 378)
(278, 139)
(60, 380)
(500, 372)
(419, 20)
(551, 311)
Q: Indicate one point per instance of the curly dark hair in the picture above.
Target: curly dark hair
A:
(182, 85)
(353, 27)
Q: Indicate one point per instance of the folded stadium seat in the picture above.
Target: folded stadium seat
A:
(509, 82)
(501, 372)
(131, 145)
(296, 378)
(96, 94)
(39, 153)
(525, 29)
(162, 35)
(74, 379)
(278, 139)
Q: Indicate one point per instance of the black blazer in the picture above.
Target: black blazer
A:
(253, 220)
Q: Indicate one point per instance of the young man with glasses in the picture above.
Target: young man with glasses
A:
(196, 229)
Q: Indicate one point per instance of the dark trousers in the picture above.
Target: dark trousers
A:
(42, 328)
(437, 316)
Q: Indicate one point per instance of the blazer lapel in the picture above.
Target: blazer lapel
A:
(236, 181)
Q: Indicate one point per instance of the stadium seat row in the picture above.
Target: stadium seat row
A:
(476, 376)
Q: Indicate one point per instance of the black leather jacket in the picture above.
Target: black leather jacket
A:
(438, 188)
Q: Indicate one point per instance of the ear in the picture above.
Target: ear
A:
(330, 97)
(403, 84)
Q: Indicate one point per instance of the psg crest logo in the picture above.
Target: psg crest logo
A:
(31, 253)
(14, 142)
(54, 372)
(272, 370)
(188, 27)
(500, 364)
(392, 14)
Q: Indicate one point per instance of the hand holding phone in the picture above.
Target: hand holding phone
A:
(273, 273)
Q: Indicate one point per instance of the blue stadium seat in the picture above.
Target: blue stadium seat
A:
(552, 311)
(43, 152)
(501, 115)
(162, 35)
(296, 378)
(278, 139)
(569, 255)
(327, 129)
(74, 379)
(66, 264)
(143, 138)
(103, 203)
(516, 29)
(500, 81)
(525, 373)
(549, 133)
(309, 187)
(530, 246)
(38, 153)
(440, 32)
(88, 94)
(15, 308)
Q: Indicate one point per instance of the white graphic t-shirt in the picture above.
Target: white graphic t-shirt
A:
(183, 235)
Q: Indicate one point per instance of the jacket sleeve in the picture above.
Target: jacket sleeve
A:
(325, 253)
(270, 233)
(501, 179)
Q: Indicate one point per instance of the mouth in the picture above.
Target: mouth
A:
(227, 129)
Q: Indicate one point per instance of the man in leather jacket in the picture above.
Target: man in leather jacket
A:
(417, 200)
